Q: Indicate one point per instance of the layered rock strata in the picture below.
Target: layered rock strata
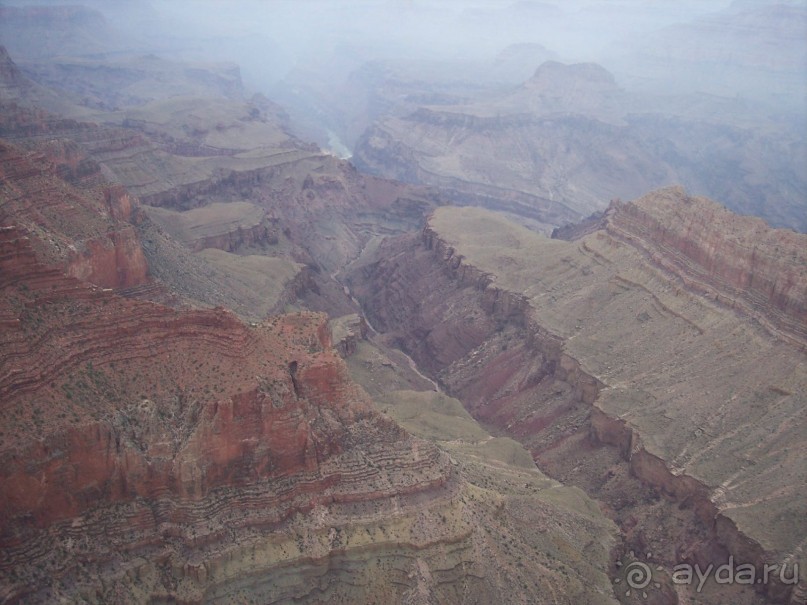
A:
(227, 227)
(76, 218)
(151, 455)
(673, 333)
(559, 147)
(151, 448)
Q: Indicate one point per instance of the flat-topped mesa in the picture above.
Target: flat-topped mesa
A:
(585, 88)
(225, 226)
(615, 338)
(552, 75)
(738, 261)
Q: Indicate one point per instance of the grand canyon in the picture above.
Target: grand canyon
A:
(305, 307)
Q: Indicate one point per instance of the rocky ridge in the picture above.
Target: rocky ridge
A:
(176, 454)
(739, 261)
(226, 227)
(77, 218)
(151, 454)
(556, 345)
(242, 430)
(570, 139)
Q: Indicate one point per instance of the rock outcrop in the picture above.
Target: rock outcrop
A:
(150, 454)
(671, 334)
(347, 332)
(139, 433)
(155, 453)
(569, 140)
(739, 261)
(76, 218)
(227, 227)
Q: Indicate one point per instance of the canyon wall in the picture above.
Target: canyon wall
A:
(75, 217)
(165, 431)
(155, 455)
(152, 454)
(739, 261)
(568, 140)
(227, 227)
(175, 454)
(557, 344)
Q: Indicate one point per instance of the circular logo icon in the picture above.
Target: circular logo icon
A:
(636, 576)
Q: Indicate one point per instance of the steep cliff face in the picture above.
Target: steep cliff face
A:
(227, 227)
(224, 174)
(558, 344)
(139, 423)
(75, 218)
(156, 455)
(569, 140)
(112, 83)
(151, 455)
(738, 261)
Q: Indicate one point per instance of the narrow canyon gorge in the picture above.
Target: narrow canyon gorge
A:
(542, 330)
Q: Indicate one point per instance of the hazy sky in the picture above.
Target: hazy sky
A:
(635, 39)
(576, 30)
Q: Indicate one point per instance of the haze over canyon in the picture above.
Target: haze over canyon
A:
(406, 302)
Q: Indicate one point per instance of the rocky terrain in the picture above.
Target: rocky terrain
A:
(217, 225)
(81, 221)
(226, 181)
(156, 455)
(569, 140)
(158, 448)
(557, 344)
(236, 369)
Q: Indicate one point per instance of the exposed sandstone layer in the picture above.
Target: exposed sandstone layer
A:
(739, 261)
(76, 218)
(151, 455)
(111, 83)
(16, 87)
(347, 332)
(227, 162)
(227, 227)
(156, 455)
(618, 338)
(569, 140)
(162, 433)
(98, 231)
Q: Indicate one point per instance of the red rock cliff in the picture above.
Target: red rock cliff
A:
(75, 218)
(739, 261)
(160, 424)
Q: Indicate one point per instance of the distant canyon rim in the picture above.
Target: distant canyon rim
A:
(542, 338)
